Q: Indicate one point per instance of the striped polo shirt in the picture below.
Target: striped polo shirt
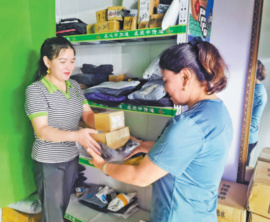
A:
(64, 111)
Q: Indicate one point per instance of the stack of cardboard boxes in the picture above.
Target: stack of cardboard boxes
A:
(236, 200)
(112, 129)
(231, 202)
(259, 189)
(119, 17)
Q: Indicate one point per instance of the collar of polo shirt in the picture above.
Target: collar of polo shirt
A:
(52, 88)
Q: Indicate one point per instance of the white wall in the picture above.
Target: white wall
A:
(231, 31)
(264, 56)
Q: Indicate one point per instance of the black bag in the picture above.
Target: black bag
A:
(70, 26)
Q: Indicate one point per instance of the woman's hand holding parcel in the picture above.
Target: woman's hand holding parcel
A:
(84, 138)
(98, 161)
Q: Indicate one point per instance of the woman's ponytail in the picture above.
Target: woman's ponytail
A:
(214, 67)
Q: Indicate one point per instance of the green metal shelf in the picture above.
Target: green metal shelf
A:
(121, 35)
(161, 111)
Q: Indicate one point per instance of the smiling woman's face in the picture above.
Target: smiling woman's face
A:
(62, 66)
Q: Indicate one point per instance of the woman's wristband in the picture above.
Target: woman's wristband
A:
(104, 168)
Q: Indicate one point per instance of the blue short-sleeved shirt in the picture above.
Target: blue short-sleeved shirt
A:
(259, 102)
(193, 150)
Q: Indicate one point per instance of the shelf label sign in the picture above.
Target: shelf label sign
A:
(139, 33)
(142, 109)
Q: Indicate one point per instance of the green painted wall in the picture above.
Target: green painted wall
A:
(24, 26)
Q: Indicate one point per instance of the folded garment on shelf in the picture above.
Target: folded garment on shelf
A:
(90, 79)
(102, 69)
(117, 85)
(163, 102)
(108, 91)
(152, 90)
(153, 72)
(101, 96)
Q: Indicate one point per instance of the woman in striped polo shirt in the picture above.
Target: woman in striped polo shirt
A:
(55, 105)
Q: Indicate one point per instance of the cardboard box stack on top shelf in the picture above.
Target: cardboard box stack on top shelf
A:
(114, 132)
(116, 18)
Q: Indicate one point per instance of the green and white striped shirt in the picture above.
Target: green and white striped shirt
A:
(64, 111)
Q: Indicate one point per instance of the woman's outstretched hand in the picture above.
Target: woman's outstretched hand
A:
(84, 138)
(98, 161)
(139, 149)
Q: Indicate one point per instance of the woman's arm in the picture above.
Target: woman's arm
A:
(88, 116)
(143, 175)
(45, 132)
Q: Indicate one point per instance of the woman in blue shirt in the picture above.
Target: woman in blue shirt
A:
(259, 102)
(185, 165)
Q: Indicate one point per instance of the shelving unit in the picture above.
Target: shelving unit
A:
(130, 52)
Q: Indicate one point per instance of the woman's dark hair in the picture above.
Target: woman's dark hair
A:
(261, 71)
(202, 58)
(51, 48)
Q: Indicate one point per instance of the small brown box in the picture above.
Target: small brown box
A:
(102, 15)
(109, 121)
(259, 190)
(143, 25)
(130, 23)
(90, 29)
(145, 9)
(117, 78)
(109, 26)
(155, 20)
(232, 202)
(115, 13)
(265, 155)
(114, 139)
